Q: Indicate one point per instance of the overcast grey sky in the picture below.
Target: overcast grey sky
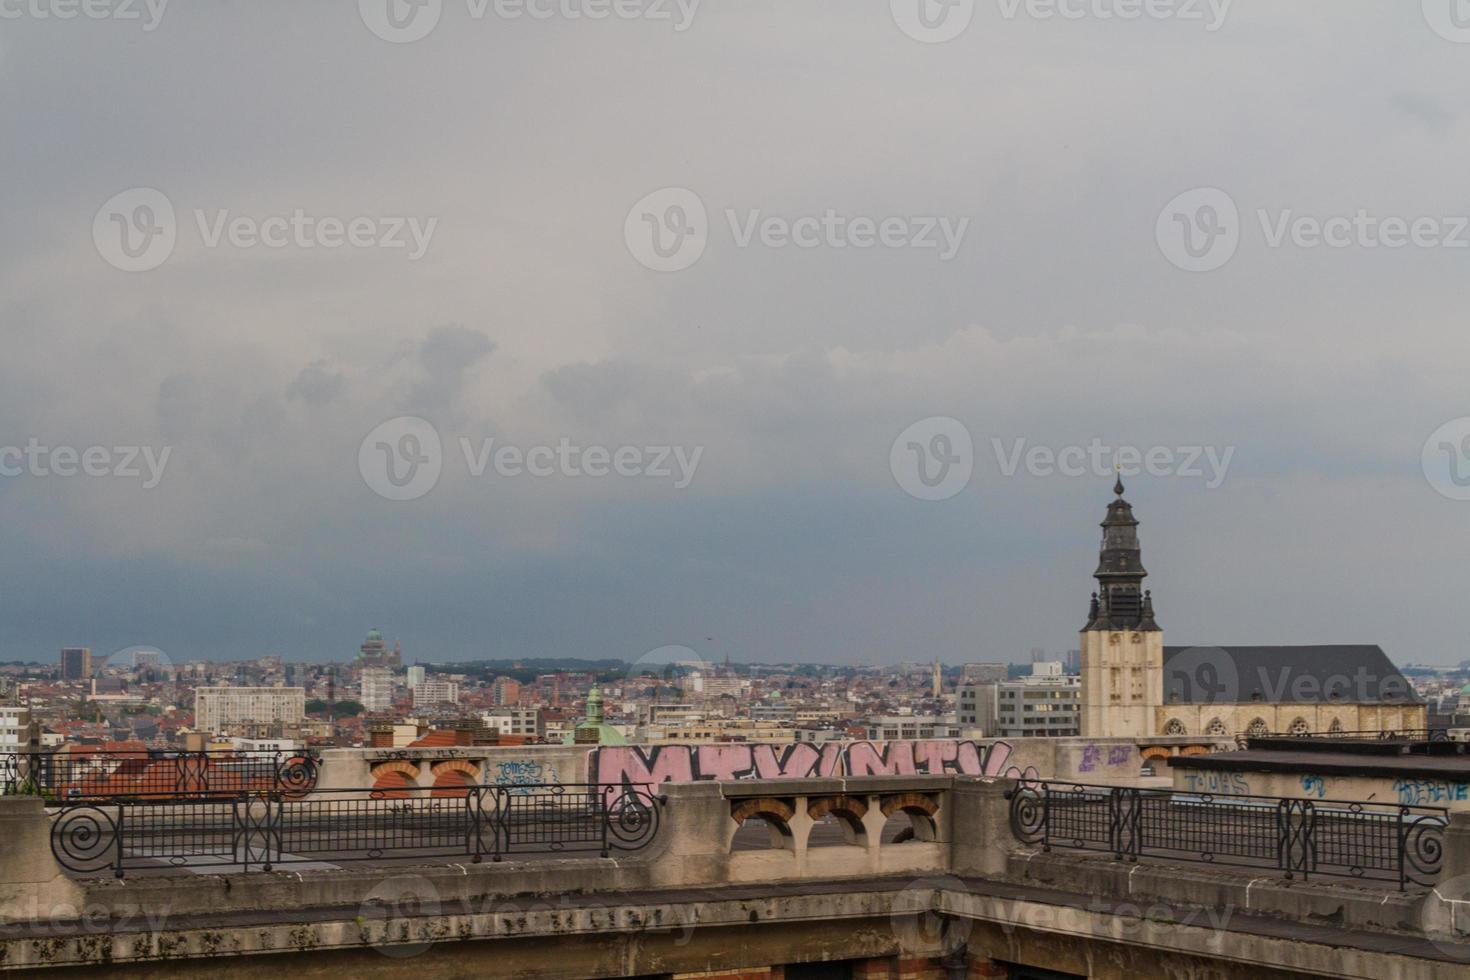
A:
(530, 154)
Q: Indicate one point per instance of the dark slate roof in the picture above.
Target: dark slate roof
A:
(1354, 673)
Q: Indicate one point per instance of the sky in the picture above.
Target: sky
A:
(802, 331)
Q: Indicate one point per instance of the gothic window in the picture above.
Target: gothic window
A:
(1174, 727)
(1257, 728)
(1216, 727)
(1299, 727)
(1336, 727)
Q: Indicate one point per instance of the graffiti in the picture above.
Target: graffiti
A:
(520, 774)
(1030, 777)
(1419, 792)
(692, 763)
(1216, 782)
(1093, 759)
(1314, 786)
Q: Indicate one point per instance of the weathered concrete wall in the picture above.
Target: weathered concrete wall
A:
(1404, 790)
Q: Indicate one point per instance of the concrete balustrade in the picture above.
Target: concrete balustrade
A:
(964, 869)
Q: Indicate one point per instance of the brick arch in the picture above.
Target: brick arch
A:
(847, 810)
(768, 808)
(393, 784)
(403, 766)
(909, 802)
(452, 781)
(917, 810)
(462, 766)
(1155, 752)
(854, 807)
(1195, 750)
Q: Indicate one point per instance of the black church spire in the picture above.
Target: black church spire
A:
(1120, 601)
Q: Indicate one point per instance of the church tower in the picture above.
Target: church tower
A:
(1122, 646)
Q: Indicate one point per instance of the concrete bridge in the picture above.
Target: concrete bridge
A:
(962, 890)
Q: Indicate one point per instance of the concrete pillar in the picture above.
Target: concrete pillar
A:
(981, 823)
(1445, 915)
(694, 836)
(32, 885)
(1457, 846)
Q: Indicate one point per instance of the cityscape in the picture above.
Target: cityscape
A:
(730, 490)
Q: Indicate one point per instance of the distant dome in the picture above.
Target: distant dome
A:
(374, 634)
(1465, 689)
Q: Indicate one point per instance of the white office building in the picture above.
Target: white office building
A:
(218, 709)
(376, 688)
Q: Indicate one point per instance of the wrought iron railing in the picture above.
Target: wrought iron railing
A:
(87, 775)
(259, 831)
(1300, 838)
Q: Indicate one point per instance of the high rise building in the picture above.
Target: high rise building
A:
(76, 663)
(377, 689)
(506, 691)
(416, 675)
(218, 710)
(435, 692)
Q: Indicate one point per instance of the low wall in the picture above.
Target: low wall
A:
(1073, 759)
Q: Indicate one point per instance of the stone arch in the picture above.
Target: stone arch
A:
(1336, 727)
(1216, 727)
(774, 813)
(1175, 727)
(911, 817)
(1258, 728)
(1299, 726)
(846, 811)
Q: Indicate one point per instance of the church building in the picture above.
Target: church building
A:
(1135, 686)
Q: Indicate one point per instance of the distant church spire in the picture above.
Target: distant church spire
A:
(1120, 602)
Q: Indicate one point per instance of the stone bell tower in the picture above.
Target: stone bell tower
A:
(1122, 645)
